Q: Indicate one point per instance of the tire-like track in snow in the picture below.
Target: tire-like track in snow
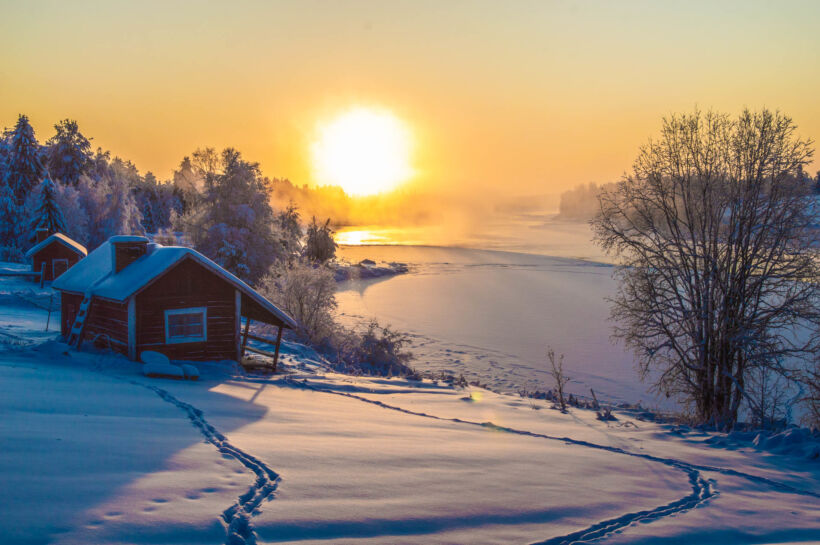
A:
(702, 489)
(239, 530)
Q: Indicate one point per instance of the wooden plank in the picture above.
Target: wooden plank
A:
(20, 273)
(261, 339)
(261, 352)
(276, 354)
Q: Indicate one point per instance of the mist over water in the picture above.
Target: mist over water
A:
(488, 303)
(532, 232)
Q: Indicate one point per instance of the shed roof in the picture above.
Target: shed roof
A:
(60, 239)
(95, 275)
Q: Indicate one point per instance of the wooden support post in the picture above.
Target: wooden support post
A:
(237, 335)
(132, 328)
(50, 304)
(276, 353)
(244, 339)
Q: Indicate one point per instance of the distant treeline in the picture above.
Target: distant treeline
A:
(581, 202)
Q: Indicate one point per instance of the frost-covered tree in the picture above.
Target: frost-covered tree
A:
(75, 216)
(157, 201)
(320, 247)
(716, 236)
(291, 229)
(233, 222)
(4, 152)
(24, 165)
(11, 221)
(110, 207)
(48, 214)
(68, 153)
(67, 200)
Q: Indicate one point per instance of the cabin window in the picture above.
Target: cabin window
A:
(186, 325)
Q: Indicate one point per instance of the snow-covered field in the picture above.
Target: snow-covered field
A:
(91, 451)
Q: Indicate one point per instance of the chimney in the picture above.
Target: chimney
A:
(42, 234)
(126, 249)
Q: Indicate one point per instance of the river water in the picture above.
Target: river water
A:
(490, 310)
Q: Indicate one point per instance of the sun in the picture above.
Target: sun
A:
(363, 150)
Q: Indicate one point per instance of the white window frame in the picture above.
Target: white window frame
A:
(53, 270)
(192, 339)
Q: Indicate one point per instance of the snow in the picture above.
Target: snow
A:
(91, 451)
(122, 239)
(95, 275)
(191, 372)
(156, 369)
(61, 239)
(149, 356)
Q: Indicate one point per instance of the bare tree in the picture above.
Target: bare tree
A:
(811, 378)
(717, 246)
(559, 378)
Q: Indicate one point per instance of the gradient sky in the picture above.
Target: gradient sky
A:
(531, 96)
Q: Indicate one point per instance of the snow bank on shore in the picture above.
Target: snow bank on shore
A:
(367, 269)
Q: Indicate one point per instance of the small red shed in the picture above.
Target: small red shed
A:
(55, 254)
(138, 296)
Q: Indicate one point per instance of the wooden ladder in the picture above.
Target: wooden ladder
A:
(76, 334)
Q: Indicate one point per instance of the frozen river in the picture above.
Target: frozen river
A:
(491, 315)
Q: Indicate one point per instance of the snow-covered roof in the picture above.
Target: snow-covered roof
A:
(118, 239)
(60, 238)
(95, 275)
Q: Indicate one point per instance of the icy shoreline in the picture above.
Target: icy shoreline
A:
(367, 269)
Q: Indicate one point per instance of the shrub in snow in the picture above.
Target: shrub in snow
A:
(377, 350)
(559, 378)
(308, 295)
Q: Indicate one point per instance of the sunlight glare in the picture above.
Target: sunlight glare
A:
(365, 151)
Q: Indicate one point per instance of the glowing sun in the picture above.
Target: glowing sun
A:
(364, 150)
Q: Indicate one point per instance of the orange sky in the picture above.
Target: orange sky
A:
(533, 97)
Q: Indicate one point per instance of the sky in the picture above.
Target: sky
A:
(531, 97)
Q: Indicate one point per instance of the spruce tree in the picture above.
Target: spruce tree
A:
(69, 153)
(24, 166)
(48, 215)
(10, 218)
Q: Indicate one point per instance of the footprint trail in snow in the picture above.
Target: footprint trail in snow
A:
(702, 489)
(236, 517)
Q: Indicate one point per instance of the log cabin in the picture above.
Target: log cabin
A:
(52, 255)
(133, 296)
